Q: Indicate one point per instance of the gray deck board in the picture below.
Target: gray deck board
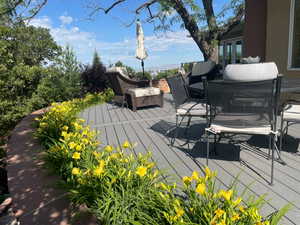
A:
(147, 128)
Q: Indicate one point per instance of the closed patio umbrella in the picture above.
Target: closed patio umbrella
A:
(141, 53)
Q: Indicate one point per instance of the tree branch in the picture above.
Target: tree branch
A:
(111, 7)
(232, 21)
(210, 15)
(145, 5)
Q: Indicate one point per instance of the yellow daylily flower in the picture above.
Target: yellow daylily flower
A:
(126, 144)
(195, 175)
(76, 155)
(235, 217)
(226, 194)
(141, 171)
(85, 141)
(187, 180)
(108, 148)
(78, 148)
(99, 169)
(223, 222)
(65, 128)
(75, 171)
(72, 145)
(208, 172)
(200, 189)
(219, 212)
(179, 212)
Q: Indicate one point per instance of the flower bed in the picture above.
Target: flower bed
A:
(121, 188)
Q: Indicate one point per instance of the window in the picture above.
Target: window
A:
(238, 52)
(228, 53)
(221, 54)
(295, 45)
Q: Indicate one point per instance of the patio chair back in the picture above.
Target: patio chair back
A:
(120, 83)
(178, 89)
(244, 104)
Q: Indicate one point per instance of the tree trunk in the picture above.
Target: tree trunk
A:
(208, 49)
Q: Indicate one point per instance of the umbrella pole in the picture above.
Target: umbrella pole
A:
(142, 62)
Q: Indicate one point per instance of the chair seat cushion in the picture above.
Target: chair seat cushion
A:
(250, 72)
(292, 113)
(192, 109)
(263, 130)
(143, 92)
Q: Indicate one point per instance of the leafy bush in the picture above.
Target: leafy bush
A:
(121, 188)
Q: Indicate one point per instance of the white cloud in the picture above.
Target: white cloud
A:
(44, 22)
(66, 19)
(172, 47)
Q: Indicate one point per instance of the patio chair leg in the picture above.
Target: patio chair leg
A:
(269, 150)
(207, 147)
(187, 126)
(281, 132)
(215, 144)
(176, 132)
(272, 163)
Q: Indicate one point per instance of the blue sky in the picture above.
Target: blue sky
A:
(107, 34)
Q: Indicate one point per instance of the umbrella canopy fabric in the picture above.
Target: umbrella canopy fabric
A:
(140, 50)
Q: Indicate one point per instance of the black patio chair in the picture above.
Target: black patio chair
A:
(244, 108)
(202, 71)
(185, 106)
(290, 115)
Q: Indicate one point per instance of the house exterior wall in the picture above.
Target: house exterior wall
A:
(277, 38)
(255, 28)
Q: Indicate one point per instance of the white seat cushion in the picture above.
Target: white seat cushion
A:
(292, 113)
(143, 92)
(192, 109)
(250, 72)
(263, 130)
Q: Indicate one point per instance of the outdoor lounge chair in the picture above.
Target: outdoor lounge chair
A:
(245, 107)
(185, 106)
(131, 92)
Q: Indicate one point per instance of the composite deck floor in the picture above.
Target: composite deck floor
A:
(147, 128)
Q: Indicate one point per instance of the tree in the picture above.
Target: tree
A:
(143, 76)
(203, 23)
(21, 69)
(129, 70)
(20, 10)
(94, 78)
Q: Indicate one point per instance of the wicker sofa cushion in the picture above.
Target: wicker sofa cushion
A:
(143, 92)
(250, 72)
